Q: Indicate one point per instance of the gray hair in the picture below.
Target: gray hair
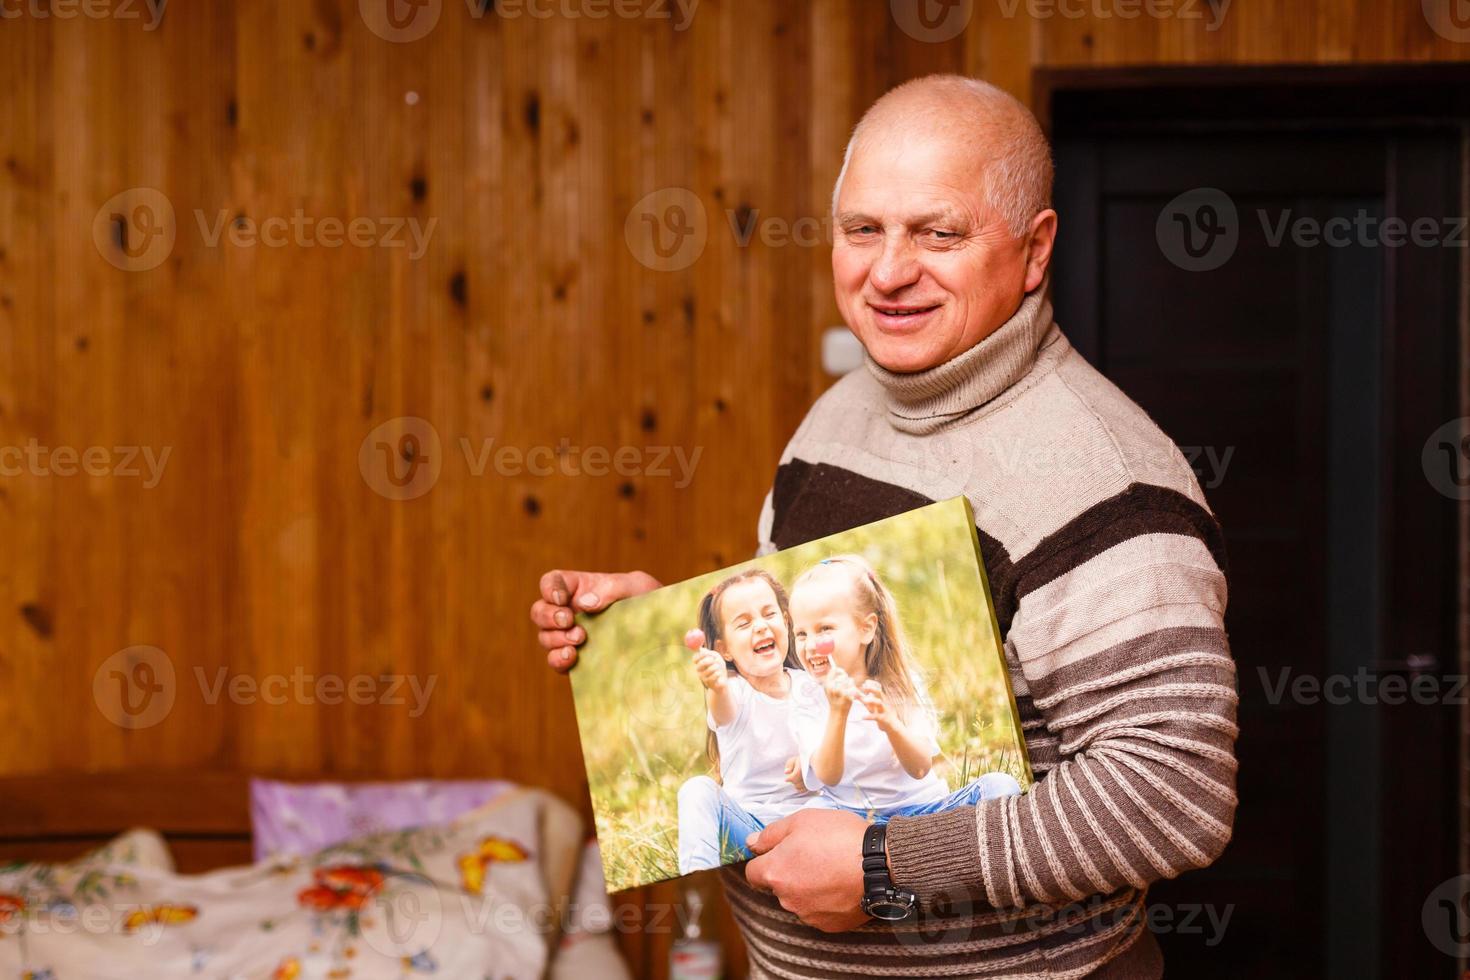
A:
(1018, 172)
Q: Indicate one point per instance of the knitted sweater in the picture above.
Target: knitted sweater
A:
(1106, 568)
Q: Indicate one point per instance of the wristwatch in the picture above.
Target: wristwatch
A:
(881, 898)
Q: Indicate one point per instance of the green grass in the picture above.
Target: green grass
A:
(641, 710)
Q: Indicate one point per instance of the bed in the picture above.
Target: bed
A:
(185, 894)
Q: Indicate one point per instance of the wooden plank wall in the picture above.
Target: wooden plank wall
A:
(263, 548)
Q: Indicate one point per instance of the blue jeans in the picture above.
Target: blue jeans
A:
(990, 786)
(712, 826)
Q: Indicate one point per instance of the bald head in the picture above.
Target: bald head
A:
(988, 125)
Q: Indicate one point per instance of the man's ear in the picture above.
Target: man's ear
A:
(1040, 239)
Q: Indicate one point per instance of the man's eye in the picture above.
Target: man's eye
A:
(943, 235)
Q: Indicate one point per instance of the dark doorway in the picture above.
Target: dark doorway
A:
(1269, 262)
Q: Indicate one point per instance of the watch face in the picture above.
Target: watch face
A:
(890, 909)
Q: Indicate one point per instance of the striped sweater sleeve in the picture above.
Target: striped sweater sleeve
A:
(1119, 632)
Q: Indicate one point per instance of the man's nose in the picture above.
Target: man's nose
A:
(897, 267)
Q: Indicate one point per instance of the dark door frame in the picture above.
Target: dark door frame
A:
(1423, 384)
(1296, 95)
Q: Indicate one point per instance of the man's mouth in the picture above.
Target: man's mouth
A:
(899, 316)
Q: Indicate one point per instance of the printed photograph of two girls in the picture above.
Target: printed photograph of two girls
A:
(863, 671)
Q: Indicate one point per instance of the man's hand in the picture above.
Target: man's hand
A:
(813, 862)
(710, 666)
(563, 590)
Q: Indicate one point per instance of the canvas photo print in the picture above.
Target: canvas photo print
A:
(863, 671)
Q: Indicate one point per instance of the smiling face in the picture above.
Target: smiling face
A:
(941, 222)
(827, 627)
(753, 628)
(924, 268)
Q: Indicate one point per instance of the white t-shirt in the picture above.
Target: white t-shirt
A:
(755, 747)
(872, 776)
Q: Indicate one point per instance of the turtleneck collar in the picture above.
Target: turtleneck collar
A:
(924, 400)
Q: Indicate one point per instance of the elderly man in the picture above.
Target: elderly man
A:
(1104, 561)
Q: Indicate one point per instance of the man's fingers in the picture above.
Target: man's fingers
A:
(598, 592)
(556, 639)
(764, 840)
(549, 616)
(554, 587)
(757, 873)
(562, 660)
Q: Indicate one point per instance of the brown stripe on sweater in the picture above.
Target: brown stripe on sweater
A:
(1140, 509)
(813, 500)
(949, 942)
(1125, 661)
(925, 951)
